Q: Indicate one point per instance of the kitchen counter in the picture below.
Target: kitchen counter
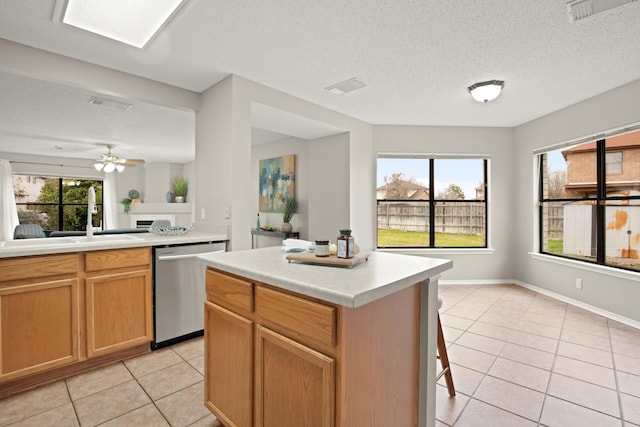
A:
(359, 342)
(55, 245)
(382, 275)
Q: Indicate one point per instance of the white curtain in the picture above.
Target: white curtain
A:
(109, 201)
(9, 214)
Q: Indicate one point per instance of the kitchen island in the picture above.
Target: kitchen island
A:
(289, 343)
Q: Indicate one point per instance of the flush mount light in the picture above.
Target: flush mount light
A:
(486, 91)
(130, 22)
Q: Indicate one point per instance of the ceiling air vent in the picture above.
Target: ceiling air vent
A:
(346, 86)
(108, 103)
(580, 9)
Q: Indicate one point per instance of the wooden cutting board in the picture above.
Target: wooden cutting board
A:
(311, 258)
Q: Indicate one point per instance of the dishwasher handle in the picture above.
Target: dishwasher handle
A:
(185, 256)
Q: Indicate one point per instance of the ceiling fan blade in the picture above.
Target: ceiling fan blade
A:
(131, 162)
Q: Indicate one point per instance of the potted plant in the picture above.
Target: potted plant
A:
(289, 209)
(127, 204)
(180, 187)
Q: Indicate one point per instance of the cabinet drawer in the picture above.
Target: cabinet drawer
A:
(118, 258)
(39, 266)
(229, 292)
(307, 319)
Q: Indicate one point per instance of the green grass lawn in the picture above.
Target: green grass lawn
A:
(555, 246)
(398, 238)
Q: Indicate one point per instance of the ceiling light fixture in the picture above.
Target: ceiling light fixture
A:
(131, 22)
(486, 91)
(109, 162)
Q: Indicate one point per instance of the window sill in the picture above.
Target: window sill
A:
(602, 269)
(440, 251)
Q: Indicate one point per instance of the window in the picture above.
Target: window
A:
(431, 202)
(57, 204)
(589, 201)
(614, 162)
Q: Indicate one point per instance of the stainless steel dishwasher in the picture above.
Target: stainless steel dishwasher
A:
(179, 291)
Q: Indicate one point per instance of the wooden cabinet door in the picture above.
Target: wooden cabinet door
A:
(118, 311)
(228, 366)
(295, 385)
(38, 327)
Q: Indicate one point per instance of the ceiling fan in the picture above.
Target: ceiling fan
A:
(110, 162)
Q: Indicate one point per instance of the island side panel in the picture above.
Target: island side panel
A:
(380, 353)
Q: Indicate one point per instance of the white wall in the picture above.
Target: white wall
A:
(322, 185)
(223, 156)
(495, 263)
(602, 288)
(283, 147)
(330, 189)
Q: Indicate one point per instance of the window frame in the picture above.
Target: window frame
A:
(600, 200)
(60, 203)
(432, 202)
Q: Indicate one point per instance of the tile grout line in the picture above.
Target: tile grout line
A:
(615, 376)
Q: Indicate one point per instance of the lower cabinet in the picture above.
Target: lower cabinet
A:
(38, 327)
(275, 358)
(295, 385)
(228, 365)
(118, 311)
(59, 314)
(118, 300)
(261, 367)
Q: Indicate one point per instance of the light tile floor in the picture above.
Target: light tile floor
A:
(162, 388)
(520, 358)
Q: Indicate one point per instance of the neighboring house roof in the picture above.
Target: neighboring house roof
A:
(409, 185)
(420, 194)
(414, 191)
(627, 140)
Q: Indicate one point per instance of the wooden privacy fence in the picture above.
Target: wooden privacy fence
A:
(553, 218)
(450, 217)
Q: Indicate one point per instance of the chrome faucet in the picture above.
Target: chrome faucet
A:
(91, 210)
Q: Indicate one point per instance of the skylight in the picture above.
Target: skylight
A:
(126, 21)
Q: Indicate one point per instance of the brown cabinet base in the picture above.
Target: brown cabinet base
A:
(297, 360)
(23, 384)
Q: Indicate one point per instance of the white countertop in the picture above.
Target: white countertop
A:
(382, 275)
(54, 245)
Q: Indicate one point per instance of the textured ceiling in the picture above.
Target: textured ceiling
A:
(416, 56)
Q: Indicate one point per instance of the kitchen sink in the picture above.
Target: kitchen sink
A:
(20, 243)
(53, 241)
(102, 238)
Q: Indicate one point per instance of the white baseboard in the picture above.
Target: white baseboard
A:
(608, 314)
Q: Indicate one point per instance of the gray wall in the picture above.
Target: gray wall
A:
(605, 288)
(477, 265)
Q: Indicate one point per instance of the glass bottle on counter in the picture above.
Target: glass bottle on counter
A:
(345, 244)
(258, 221)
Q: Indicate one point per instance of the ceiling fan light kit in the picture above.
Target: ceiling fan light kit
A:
(110, 162)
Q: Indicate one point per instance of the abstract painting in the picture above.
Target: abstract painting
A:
(277, 178)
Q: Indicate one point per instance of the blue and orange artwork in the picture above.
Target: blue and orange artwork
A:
(277, 182)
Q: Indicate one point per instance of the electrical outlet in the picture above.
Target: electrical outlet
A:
(227, 211)
(202, 214)
(578, 283)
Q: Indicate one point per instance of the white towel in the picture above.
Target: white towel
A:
(296, 245)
